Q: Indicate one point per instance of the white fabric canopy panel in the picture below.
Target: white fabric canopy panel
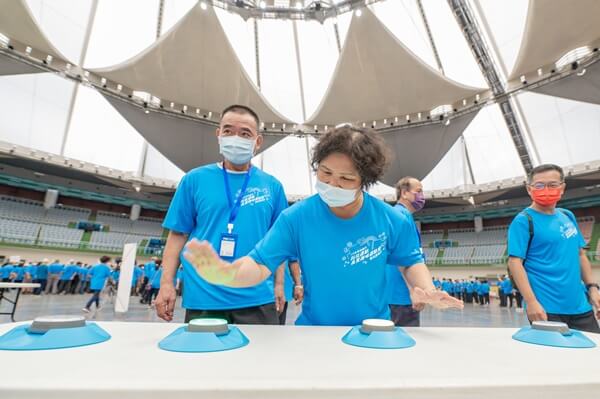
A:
(416, 151)
(554, 28)
(581, 86)
(377, 77)
(193, 64)
(17, 23)
(183, 141)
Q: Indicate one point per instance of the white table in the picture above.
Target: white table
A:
(18, 286)
(290, 362)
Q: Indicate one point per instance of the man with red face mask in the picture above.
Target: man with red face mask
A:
(547, 258)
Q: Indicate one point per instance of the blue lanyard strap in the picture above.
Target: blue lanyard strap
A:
(235, 207)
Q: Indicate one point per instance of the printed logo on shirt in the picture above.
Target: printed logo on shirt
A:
(364, 250)
(568, 230)
(255, 196)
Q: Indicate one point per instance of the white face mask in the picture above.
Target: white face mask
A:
(236, 150)
(334, 196)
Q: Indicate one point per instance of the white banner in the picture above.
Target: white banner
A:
(125, 277)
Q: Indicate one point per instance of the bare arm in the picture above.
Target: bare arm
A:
(535, 311)
(588, 278)
(422, 290)
(175, 243)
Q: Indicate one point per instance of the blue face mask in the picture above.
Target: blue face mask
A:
(334, 196)
(236, 150)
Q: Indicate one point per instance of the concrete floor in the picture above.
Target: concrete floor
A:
(31, 306)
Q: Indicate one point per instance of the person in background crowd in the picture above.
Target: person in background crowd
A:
(41, 277)
(98, 276)
(54, 272)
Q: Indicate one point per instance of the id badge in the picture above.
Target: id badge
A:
(227, 245)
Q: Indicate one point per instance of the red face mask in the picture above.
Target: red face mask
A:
(546, 196)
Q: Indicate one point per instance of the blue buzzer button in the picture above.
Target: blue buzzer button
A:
(53, 332)
(549, 333)
(378, 334)
(204, 335)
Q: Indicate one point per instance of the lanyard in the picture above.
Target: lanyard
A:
(235, 207)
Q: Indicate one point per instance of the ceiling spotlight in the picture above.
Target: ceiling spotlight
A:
(137, 187)
(262, 4)
(298, 5)
(203, 5)
(447, 122)
(583, 71)
(358, 13)
(147, 111)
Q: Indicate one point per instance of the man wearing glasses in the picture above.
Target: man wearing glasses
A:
(232, 205)
(547, 258)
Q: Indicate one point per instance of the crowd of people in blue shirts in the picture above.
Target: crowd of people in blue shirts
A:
(477, 290)
(74, 277)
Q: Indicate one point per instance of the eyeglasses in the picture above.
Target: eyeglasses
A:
(541, 186)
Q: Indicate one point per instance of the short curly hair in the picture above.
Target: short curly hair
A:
(365, 147)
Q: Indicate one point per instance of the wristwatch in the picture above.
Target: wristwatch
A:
(588, 286)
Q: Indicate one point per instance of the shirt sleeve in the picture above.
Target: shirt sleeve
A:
(404, 248)
(278, 245)
(181, 216)
(518, 237)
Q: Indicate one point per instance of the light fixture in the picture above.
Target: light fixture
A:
(28, 50)
(262, 4)
(203, 5)
(147, 111)
(583, 71)
(4, 40)
(447, 122)
(358, 13)
(137, 187)
(298, 5)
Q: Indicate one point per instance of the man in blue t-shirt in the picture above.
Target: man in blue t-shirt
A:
(507, 291)
(409, 192)
(65, 283)
(98, 276)
(232, 205)
(547, 258)
(41, 276)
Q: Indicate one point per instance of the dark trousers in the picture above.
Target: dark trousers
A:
(582, 322)
(405, 316)
(263, 314)
(509, 300)
(42, 286)
(519, 299)
(484, 299)
(283, 314)
(153, 294)
(502, 299)
(94, 299)
(469, 297)
(476, 297)
(62, 286)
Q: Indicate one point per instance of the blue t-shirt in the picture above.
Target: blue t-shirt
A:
(485, 288)
(99, 274)
(19, 271)
(32, 270)
(344, 261)
(7, 270)
(288, 283)
(399, 293)
(137, 273)
(42, 272)
(437, 284)
(55, 268)
(179, 274)
(552, 264)
(83, 272)
(155, 282)
(68, 272)
(149, 269)
(200, 209)
(506, 286)
(115, 275)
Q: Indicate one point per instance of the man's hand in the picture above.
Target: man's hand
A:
(535, 311)
(298, 294)
(208, 264)
(165, 302)
(594, 295)
(435, 298)
(279, 298)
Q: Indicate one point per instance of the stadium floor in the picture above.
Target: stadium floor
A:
(31, 306)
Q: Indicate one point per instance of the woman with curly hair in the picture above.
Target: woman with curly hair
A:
(343, 237)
